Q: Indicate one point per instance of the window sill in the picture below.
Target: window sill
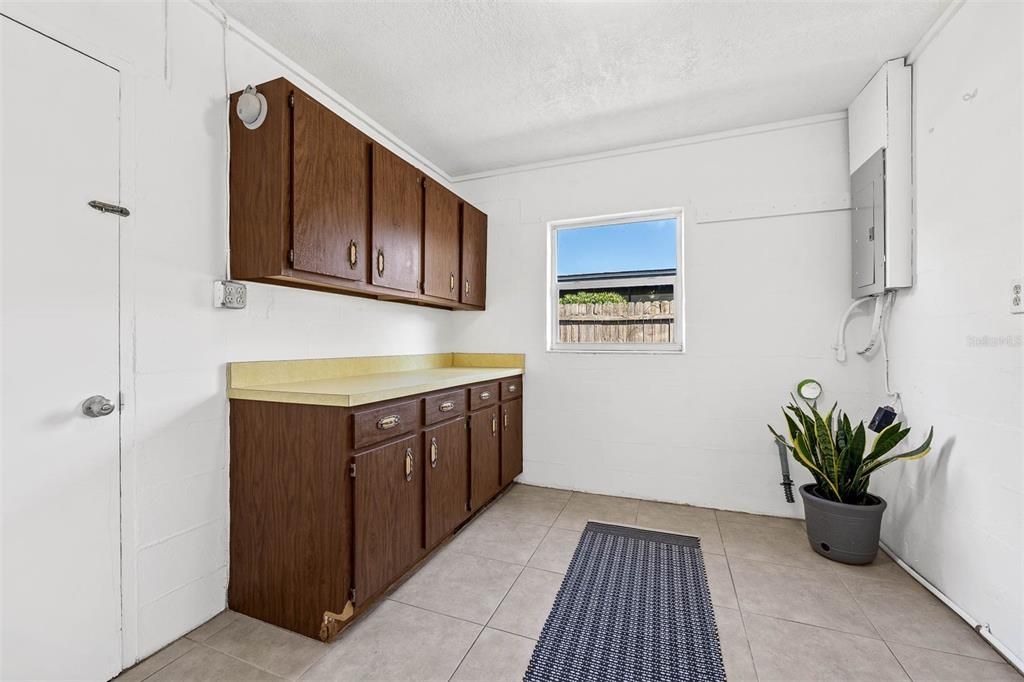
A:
(623, 349)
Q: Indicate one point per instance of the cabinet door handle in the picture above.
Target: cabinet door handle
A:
(447, 406)
(467, 286)
(433, 453)
(353, 254)
(486, 395)
(506, 420)
(389, 422)
(408, 464)
(494, 425)
(380, 262)
(451, 282)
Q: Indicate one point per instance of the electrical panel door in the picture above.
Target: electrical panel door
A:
(867, 189)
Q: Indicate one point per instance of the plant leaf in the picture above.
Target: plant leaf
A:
(887, 439)
(916, 453)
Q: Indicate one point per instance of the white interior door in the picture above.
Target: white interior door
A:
(61, 598)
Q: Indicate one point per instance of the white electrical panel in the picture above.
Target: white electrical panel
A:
(880, 182)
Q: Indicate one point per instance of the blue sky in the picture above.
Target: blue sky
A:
(614, 248)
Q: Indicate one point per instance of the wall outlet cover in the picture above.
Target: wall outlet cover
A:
(229, 294)
(1017, 296)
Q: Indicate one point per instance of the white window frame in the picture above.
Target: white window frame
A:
(553, 345)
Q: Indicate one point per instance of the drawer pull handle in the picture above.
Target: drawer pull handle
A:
(486, 395)
(388, 422)
(433, 453)
(494, 425)
(380, 262)
(408, 464)
(353, 254)
(512, 388)
(447, 406)
(451, 282)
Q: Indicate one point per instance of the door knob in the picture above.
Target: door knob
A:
(97, 406)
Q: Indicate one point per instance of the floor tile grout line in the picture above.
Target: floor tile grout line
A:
(951, 653)
(739, 608)
(898, 661)
(753, 660)
(489, 619)
(191, 641)
(324, 652)
(438, 613)
(242, 660)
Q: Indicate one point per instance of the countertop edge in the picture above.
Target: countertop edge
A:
(357, 399)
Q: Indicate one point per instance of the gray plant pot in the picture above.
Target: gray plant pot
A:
(847, 533)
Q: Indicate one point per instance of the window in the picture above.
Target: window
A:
(616, 283)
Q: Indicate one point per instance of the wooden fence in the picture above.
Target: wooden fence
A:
(636, 322)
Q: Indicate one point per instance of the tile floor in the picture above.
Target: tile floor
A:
(474, 611)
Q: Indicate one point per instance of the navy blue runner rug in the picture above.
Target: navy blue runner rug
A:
(634, 605)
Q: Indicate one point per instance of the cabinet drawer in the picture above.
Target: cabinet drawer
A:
(382, 423)
(482, 396)
(511, 388)
(444, 406)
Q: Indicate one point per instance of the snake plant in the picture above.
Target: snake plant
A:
(836, 453)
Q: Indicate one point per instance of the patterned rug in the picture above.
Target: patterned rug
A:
(634, 605)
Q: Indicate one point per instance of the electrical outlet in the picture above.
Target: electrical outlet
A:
(228, 294)
(1017, 296)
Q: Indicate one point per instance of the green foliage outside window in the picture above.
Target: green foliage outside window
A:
(593, 297)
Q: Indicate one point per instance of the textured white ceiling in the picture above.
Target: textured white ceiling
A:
(479, 86)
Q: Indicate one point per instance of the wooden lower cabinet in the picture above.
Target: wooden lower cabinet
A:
(446, 475)
(511, 440)
(485, 456)
(330, 506)
(387, 515)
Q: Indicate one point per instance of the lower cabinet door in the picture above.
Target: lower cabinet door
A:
(387, 514)
(511, 440)
(446, 468)
(484, 456)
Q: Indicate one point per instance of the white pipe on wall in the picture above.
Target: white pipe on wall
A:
(981, 628)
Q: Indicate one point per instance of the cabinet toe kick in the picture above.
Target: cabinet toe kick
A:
(333, 621)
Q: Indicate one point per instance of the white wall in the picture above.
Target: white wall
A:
(174, 456)
(763, 296)
(957, 516)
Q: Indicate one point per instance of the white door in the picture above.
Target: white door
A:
(61, 598)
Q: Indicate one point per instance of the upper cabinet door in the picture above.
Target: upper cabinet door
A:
(397, 222)
(331, 193)
(474, 257)
(441, 272)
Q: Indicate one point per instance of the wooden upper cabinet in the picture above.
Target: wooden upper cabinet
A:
(441, 242)
(330, 193)
(397, 222)
(474, 257)
(316, 203)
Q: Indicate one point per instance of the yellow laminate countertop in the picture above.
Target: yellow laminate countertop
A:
(347, 382)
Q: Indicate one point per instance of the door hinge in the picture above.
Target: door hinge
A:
(352, 470)
(291, 255)
(291, 100)
(104, 207)
(352, 595)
